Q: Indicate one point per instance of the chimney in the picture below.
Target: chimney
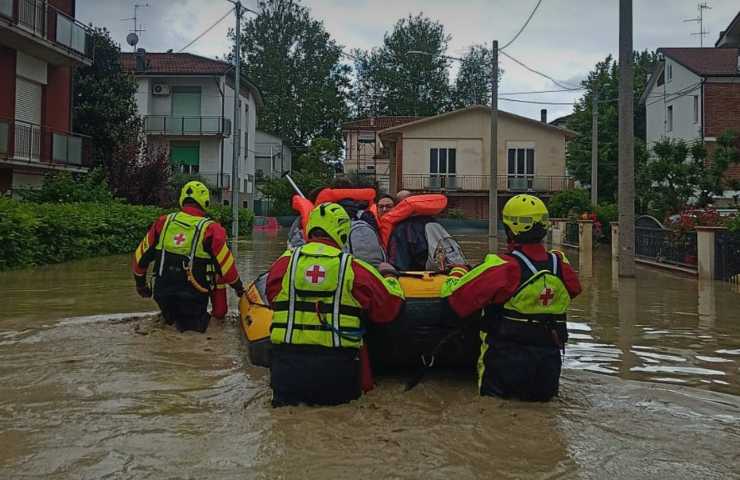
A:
(543, 115)
(140, 60)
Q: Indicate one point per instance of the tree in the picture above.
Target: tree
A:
(103, 104)
(605, 77)
(713, 179)
(296, 65)
(473, 82)
(390, 81)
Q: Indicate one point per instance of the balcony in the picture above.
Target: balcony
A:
(479, 183)
(186, 126)
(28, 144)
(215, 180)
(41, 30)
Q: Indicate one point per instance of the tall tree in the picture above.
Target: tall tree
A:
(605, 77)
(392, 81)
(296, 65)
(473, 81)
(103, 104)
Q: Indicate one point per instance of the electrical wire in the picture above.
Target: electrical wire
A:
(543, 91)
(534, 102)
(673, 96)
(206, 31)
(559, 84)
(523, 26)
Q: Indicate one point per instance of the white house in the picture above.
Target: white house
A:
(187, 105)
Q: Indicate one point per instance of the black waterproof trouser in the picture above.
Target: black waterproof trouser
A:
(185, 310)
(314, 375)
(526, 372)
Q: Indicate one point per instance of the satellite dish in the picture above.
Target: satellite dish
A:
(132, 39)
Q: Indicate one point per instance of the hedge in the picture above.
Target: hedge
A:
(43, 233)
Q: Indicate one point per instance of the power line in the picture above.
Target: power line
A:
(206, 31)
(674, 96)
(543, 91)
(534, 102)
(523, 26)
(559, 84)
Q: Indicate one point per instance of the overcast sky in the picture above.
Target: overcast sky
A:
(564, 39)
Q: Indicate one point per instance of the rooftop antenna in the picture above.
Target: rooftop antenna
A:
(700, 20)
(133, 37)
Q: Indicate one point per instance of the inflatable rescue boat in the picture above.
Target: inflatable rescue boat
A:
(425, 333)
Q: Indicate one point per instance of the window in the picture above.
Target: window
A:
(185, 111)
(669, 118)
(669, 72)
(696, 108)
(520, 168)
(442, 168)
(185, 156)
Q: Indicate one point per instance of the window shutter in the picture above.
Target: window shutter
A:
(28, 101)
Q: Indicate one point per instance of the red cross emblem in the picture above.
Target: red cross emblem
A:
(316, 274)
(179, 239)
(546, 295)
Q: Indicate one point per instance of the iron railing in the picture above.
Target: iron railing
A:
(572, 236)
(183, 126)
(215, 180)
(28, 142)
(671, 247)
(727, 256)
(510, 183)
(47, 22)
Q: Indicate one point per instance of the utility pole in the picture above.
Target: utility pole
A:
(595, 145)
(700, 20)
(235, 183)
(493, 181)
(626, 144)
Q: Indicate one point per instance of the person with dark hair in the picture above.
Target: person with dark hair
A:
(524, 295)
(321, 298)
(188, 250)
(385, 203)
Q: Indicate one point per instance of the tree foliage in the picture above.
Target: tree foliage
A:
(103, 104)
(390, 81)
(473, 82)
(296, 65)
(605, 78)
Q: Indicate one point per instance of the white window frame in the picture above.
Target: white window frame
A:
(669, 118)
(669, 73)
(516, 178)
(446, 179)
(696, 109)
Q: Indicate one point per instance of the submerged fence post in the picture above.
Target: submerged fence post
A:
(585, 247)
(558, 231)
(615, 239)
(705, 251)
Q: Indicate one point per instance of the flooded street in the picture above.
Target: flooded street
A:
(93, 386)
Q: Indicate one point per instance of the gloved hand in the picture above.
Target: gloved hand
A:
(387, 270)
(142, 288)
(238, 287)
(458, 271)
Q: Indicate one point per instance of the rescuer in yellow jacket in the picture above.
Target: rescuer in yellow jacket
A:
(524, 295)
(321, 298)
(188, 250)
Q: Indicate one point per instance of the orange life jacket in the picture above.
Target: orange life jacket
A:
(304, 206)
(427, 204)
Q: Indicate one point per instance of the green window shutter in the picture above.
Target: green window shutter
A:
(186, 101)
(185, 153)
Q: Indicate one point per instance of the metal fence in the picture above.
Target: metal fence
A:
(670, 247)
(727, 256)
(571, 234)
(510, 183)
(44, 20)
(195, 125)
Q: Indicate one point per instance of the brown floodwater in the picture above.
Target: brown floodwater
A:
(93, 386)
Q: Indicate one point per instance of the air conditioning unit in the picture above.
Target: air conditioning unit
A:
(160, 89)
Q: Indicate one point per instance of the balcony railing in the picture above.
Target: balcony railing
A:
(43, 20)
(31, 143)
(479, 183)
(182, 126)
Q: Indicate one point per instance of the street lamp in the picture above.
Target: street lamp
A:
(493, 144)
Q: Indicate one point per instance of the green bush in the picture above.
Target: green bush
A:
(42, 233)
(607, 213)
(733, 224)
(223, 215)
(569, 201)
(66, 187)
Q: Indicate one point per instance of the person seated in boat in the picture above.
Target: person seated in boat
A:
(417, 241)
(188, 250)
(524, 295)
(321, 297)
(384, 204)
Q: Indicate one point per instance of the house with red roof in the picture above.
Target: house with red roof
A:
(694, 93)
(187, 106)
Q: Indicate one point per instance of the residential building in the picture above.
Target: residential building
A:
(694, 93)
(450, 153)
(187, 105)
(273, 157)
(363, 151)
(41, 43)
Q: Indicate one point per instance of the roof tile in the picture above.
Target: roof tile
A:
(706, 61)
(176, 63)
